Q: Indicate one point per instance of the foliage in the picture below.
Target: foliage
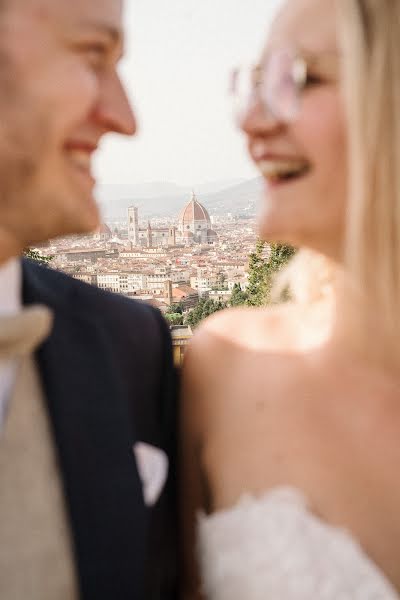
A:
(280, 256)
(174, 318)
(257, 289)
(40, 258)
(175, 308)
(221, 281)
(204, 309)
(265, 262)
(238, 297)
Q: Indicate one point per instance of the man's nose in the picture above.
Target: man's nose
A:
(113, 111)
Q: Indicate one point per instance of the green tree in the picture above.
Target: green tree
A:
(174, 318)
(209, 307)
(280, 254)
(221, 281)
(176, 308)
(265, 262)
(40, 258)
(193, 317)
(238, 296)
(179, 308)
(257, 289)
(204, 309)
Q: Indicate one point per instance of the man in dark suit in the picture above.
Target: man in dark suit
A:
(87, 415)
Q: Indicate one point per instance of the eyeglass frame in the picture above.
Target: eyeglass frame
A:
(302, 62)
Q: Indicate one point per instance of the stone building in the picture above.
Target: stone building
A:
(148, 237)
(133, 225)
(194, 224)
(103, 234)
(193, 227)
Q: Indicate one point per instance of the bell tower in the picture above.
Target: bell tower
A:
(133, 225)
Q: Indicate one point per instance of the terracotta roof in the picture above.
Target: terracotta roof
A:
(156, 303)
(183, 290)
(105, 229)
(193, 211)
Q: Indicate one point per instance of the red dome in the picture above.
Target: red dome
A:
(193, 211)
(105, 230)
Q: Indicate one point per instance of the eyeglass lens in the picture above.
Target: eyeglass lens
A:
(275, 86)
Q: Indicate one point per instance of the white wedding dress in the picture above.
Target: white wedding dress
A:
(275, 548)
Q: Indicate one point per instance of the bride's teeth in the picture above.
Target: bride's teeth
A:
(275, 170)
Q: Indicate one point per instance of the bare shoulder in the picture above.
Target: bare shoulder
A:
(223, 339)
(268, 328)
(220, 358)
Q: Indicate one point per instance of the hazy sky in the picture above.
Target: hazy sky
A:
(179, 55)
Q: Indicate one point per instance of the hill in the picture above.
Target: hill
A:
(168, 199)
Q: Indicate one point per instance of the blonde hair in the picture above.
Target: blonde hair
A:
(370, 36)
(370, 45)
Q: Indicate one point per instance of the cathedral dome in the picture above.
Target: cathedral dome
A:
(193, 213)
(103, 233)
(105, 230)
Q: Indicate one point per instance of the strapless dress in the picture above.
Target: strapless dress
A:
(274, 548)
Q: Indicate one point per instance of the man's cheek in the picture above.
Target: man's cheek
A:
(80, 89)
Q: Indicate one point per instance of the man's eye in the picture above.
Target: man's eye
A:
(95, 52)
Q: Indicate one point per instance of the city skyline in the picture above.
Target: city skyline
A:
(176, 70)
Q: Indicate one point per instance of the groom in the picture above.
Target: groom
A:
(87, 416)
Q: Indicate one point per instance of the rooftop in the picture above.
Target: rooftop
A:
(193, 211)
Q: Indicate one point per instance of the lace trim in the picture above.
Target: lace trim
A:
(264, 541)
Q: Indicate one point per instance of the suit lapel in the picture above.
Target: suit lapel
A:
(93, 434)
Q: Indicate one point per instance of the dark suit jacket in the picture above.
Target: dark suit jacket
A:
(108, 381)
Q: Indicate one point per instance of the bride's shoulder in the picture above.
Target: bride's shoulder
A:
(224, 341)
(265, 328)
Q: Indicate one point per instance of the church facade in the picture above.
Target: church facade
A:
(193, 227)
(194, 224)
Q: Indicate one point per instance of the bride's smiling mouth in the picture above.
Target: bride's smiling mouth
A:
(282, 170)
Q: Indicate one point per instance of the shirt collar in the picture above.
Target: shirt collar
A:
(10, 287)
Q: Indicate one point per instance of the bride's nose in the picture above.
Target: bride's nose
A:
(257, 119)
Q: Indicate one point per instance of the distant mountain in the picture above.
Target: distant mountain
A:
(158, 188)
(216, 186)
(236, 199)
(115, 199)
(168, 199)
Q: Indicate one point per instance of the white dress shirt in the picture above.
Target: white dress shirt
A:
(10, 304)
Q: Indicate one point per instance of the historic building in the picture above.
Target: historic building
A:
(148, 237)
(157, 237)
(181, 336)
(133, 225)
(194, 224)
(193, 227)
(103, 234)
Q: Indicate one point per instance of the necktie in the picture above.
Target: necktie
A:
(20, 334)
(36, 557)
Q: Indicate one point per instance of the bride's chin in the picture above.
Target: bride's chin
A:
(273, 233)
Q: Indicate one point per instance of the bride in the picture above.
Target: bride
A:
(291, 414)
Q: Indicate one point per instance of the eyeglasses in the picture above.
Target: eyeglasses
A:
(278, 83)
